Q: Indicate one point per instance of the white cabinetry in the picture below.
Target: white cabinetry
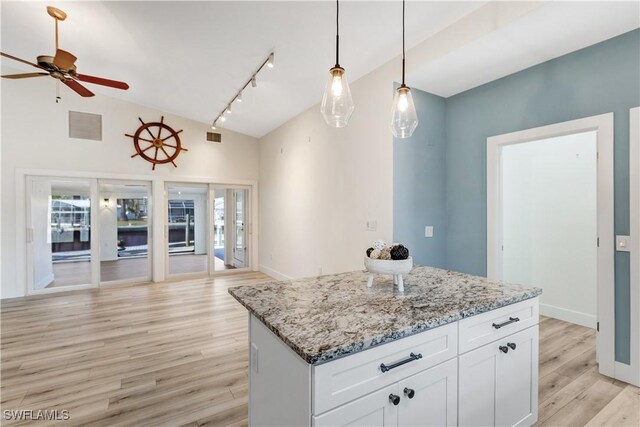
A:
(428, 398)
(373, 410)
(499, 382)
(479, 371)
(435, 397)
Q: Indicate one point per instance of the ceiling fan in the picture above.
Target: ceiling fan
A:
(62, 66)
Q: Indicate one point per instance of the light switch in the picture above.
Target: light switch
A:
(428, 231)
(623, 244)
(372, 225)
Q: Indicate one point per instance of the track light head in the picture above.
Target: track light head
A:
(222, 118)
(239, 97)
(213, 126)
(228, 110)
(254, 83)
(270, 60)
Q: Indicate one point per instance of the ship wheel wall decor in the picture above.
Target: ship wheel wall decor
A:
(157, 143)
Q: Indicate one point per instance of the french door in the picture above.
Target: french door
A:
(82, 232)
(207, 229)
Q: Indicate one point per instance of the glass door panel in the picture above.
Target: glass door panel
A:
(230, 241)
(187, 229)
(124, 231)
(240, 232)
(59, 233)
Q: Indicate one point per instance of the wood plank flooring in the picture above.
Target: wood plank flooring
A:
(173, 354)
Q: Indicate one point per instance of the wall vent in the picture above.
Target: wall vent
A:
(85, 126)
(214, 137)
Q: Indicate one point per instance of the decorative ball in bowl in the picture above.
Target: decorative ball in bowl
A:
(384, 259)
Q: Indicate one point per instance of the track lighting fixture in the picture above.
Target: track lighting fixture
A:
(238, 97)
(213, 126)
(404, 119)
(337, 104)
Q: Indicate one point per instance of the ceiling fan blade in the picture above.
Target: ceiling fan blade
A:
(78, 88)
(64, 60)
(24, 76)
(6, 55)
(100, 81)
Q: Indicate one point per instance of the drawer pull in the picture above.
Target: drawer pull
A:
(511, 345)
(504, 349)
(412, 357)
(508, 322)
(394, 399)
(409, 392)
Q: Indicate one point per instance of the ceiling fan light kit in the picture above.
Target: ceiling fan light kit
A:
(62, 66)
(337, 103)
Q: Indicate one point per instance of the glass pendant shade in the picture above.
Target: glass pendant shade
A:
(404, 119)
(337, 104)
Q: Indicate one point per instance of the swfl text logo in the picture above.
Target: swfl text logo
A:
(36, 414)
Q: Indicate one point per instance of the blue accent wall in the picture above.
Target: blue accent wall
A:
(419, 197)
(599, 79)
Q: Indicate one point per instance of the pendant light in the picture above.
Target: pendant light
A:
(337, 104)
(404, 118)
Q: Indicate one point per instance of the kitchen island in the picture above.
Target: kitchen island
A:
(452, 349)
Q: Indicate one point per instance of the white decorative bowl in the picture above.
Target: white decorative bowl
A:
(396, 267)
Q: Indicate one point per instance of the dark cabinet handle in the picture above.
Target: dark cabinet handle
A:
(412, 357)
(409, 392)
(394, 399)
(504, 349)
(512, 345)
(508, 322)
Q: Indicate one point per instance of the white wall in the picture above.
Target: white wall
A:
(550, 223)
(319, 185)
(34, 136)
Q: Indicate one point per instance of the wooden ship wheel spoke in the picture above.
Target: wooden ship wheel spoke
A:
(157, 149)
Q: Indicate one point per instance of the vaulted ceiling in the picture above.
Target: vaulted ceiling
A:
(190, 58)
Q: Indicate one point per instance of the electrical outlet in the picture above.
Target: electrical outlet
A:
(372, 225)
(428, 231)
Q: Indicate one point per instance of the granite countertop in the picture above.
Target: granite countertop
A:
(327, 317)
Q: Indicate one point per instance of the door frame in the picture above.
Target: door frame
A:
(208, 216)
(150, 220)
(631, 372)
(94, 235)
(603, 125)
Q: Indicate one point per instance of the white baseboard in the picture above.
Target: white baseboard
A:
(274, 273)
(571, 316)
(627, 373)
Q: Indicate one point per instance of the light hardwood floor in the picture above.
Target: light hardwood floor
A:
(172, 354)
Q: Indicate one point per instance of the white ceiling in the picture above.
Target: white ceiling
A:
(552, 30)
(189, 58)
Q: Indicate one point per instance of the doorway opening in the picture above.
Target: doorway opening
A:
(125, 241)
(550, 221)
(230, 228)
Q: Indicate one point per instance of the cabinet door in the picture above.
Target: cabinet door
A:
(375, 409)
(517, 380)
(434, 397)
(499, 388)
(477, 392)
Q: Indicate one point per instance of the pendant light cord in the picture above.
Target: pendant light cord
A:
(403, 43)
(337, 33)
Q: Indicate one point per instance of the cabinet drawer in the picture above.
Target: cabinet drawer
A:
(484, 328)
(346, 379)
